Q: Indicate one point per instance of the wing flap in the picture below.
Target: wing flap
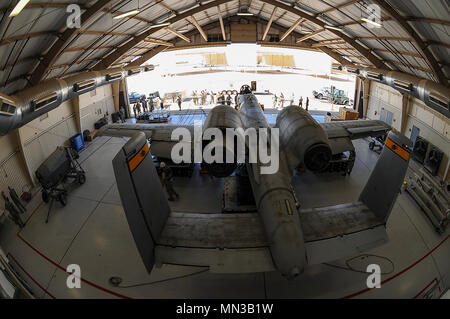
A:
(355, 129)
(157, 132)
(160, 135)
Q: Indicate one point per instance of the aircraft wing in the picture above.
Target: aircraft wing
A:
(159, 134)
(355, 129)
(341, 134)
(237, 243)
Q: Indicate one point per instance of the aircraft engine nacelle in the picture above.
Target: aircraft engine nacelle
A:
(303, 139)
(221, 117)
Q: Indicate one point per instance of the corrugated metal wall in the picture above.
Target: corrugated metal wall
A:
(95, 105)
(433, 126)
(42, 136)
(39, 148)
(13, 174)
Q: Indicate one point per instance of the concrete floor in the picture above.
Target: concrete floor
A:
(92, 231)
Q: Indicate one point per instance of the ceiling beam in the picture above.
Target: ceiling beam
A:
(158, 41)
(63, 5)
(269, 23)
(442, 44)
(310, 35)
(148, 55)
(306, 45)
(76, 49)
(26, 36)
(343, 5)
(262, 8)
(14, 79)
(437, 70)
(165, 6)
(416, 55)
(43, 5)
(388, 38)
(281, 16)
(284, 36)
(222, 27)
(93, 32)
(361, 22)
(410, 66)
(378, 63)
(20, 61)
(178, 34)
(326, 43)
(63, 65)
(429, 20)
(199, 28)
(63, 40)
(116, 54)
(198, 46)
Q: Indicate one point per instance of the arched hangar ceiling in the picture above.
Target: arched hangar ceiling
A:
(36, 44)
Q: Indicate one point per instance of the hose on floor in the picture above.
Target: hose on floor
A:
(116, 281)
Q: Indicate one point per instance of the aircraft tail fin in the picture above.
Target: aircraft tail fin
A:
(383, 186)
(143, 198)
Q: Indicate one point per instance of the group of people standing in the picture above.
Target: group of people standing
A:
(300, 103)
(203, 97)
(142, 105)
(279, 101)
(206, 98)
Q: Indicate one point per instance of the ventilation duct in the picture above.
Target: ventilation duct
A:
(431, 93)
(29, 104)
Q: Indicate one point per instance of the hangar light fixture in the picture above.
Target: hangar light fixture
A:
(160, 25)
(244, 12)
(126, 14)
(18, 8)
(347, 58)
(377, 25)
(333, 28)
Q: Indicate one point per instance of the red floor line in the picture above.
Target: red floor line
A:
(421, 292)
(34, 211)
(64, 270)
(54, 263)
(37, 191)
(31, 277)
(41, 187)
(401, 272)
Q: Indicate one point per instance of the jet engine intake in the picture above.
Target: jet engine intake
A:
(304, 139)
(221, 117)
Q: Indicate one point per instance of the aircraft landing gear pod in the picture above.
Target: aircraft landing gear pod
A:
(142, 196)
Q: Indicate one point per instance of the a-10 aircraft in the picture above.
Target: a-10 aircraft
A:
(280, 236)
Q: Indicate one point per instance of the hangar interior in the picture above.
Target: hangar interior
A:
(402, 71)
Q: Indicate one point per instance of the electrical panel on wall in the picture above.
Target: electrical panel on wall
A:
(433, 160)
(420, 150)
